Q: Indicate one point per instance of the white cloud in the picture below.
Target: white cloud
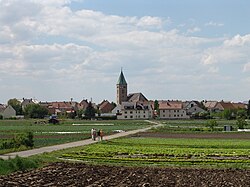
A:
(213, 69)
(208, 59)
(246, 67)
(193, 30)
(238, 41)
(148, 21)
(214, 24)
(48, 42)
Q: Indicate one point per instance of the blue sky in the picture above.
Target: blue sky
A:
(62, 49)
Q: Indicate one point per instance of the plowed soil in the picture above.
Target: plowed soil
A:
(79, 174)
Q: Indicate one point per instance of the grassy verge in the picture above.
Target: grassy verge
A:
(18, 164)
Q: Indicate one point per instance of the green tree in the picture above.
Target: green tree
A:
(228, 114)
(212, 124)
(35, 111)
(241, 123)
(156, 107)
(248, 108)
(16, 105)
(242, 113)
(90, 111)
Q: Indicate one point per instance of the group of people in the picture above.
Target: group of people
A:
(97, 134)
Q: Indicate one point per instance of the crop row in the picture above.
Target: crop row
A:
(150, 150)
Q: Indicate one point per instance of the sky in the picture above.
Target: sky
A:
(55, 50)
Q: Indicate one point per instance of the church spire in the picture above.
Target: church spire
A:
(121, 80)
(121, 89)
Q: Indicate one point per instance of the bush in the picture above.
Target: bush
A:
(211, 124)
(18, 141)
(17, 164)
(241, 123)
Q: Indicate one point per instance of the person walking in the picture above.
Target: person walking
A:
(94, 134)
(101, 134)
(98, 134)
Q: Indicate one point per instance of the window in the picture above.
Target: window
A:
(125, 117)
(131, 112)
(131, 116)
(125, 112)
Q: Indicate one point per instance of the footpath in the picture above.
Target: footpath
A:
(74, 144)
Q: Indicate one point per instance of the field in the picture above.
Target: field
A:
(183, 153)
(49, 134)
(140, 151)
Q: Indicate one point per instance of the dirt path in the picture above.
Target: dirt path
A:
(73, 144)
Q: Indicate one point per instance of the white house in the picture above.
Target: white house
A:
(172, 110)
(133, 110)
(193, 107)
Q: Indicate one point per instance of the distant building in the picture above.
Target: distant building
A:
(134, 110)
(172, 110)
(121, 88)
(105, 107)
(25, 102)
(132, 106)
(7, 112)
(193, 107)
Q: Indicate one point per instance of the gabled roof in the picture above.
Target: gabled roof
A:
(121, 80)
(170, 105)
(210, 104)
(105, 106)
(239, 105)
(137, 97)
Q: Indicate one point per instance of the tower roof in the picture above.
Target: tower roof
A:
(121, 79)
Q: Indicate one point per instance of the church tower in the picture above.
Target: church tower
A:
(121, 89)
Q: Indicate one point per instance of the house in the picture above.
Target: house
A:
(61, 107)
(193, 107)
(133, 110)
(210, 105)
(83, 104)
(25, 102)
(172, 110)
(222, 105)
(136, 97)
(7, 112)
(105, 107)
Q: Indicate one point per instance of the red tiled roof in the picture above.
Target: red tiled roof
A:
(167, 105)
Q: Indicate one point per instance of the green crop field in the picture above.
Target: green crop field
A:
(49, 134)
(233, 153)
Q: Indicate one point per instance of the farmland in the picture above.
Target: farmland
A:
(167, 152)
(66, 131)
(176, 154)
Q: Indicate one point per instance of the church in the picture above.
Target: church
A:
(131, 106)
